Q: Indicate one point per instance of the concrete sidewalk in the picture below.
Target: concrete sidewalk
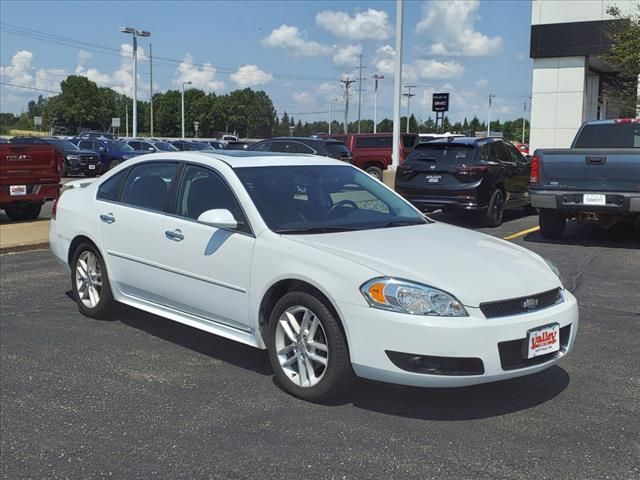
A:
(18, 236)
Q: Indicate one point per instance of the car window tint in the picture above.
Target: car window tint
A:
(454, 152)
(337, 149)
(202, 189)
(283, 147)
(612, 135)
(147, 186)
(110, 189)
(484, 153)
(88, 144)
(298, 147)
(408, 141)
(374, 142)
(514, 154)
(134, 145)
(262, 147)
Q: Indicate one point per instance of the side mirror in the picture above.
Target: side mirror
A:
(218, 218)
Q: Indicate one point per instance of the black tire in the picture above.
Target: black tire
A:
(23, 211)
(375, 172)
(105, 305)
(492, 216)
(552, 223)
(65, 169)
(338, 374)
(114, 163)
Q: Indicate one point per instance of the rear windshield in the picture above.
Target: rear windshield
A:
(338, 148)
(442, 151)
(609, 135)
(374, 142)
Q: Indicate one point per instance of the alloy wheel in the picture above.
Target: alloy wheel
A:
(302, 346)
(88, 279)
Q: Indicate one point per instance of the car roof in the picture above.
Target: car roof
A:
(242, 158)
(459, 141)
(305, 139)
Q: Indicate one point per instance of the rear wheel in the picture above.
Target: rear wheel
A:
(65, 169)
(492, 216)
(24, 211)
(90, 283)
(307, 349)
(375, 172)
(552, 223)
(114, 163)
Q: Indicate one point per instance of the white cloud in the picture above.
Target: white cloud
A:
(200, 77)
(520, 56)
(347, 56)
(19, 70)
(450, 26)
(291, 39)
(434, 69)
(330, 90)
(384, 60)
(483, 82)
(368, 25)
(251, 76)
(303, 98)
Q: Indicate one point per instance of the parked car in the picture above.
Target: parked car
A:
(372, 151)
(283, 253)
(237, 145)
(96, 134)
(190, 145)
(151, 146)
(74, 160)
(523, 148)
(327, 147)
(218, 145)
(112, 152)
(596, 180)
(482, 175)
(29, 177)
(228, 138)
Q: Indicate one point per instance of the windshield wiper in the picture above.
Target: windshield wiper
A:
(401, 223)
(311, 230)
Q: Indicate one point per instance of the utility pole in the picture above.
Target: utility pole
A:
(347, 85)
(360, 92)
(151, 89)
(126, 114)
(183, 84)
(397, 86)
(375, 77)
(408, 95)
(524, 114)
(489, 123)
(330, 103)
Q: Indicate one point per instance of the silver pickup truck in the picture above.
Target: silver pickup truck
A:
(597, 179)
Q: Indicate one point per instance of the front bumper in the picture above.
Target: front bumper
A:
(572, 201)
(85, 168)
(372, 333)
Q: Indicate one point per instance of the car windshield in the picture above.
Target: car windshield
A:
(165, 147)
(114, 145)
(321, 199)
(64, 144)
(442, 151)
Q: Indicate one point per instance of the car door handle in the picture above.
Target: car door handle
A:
(175, 235)
(108, 218)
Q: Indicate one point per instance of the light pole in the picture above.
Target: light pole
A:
(183, 84)
(397, 88)
(489, 114)
(135, 34)
(375, 77)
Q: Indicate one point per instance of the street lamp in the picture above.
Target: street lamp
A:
(135, 34)
(183, 84)
(376, 77)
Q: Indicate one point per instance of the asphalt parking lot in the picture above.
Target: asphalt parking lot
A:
(142, 397)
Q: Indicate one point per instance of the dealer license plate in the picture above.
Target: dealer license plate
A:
(594, 199)
(543, 340)
(434, 178)
(17, 190)
(92, 167)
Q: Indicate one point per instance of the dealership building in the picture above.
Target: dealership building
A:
(568, 39)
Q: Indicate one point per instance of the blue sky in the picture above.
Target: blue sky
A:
(296, 51)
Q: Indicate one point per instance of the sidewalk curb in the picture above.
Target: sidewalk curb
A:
(24, 247)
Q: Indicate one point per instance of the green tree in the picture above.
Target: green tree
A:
(386, 126)
(622, 90)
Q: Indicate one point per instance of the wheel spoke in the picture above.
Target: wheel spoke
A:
(286, 350)
(313, 328)
(289, 361)
(82, 267)
(318, 359)
(318, 346)
(302, 372)
(91, 263)
(306, 320)
(295, 326)
(311, 374)
(93, 296)
(287, 330)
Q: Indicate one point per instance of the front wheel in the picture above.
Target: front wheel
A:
(492, 216)
(307, 348)
(375, 172)
(114, 163)
(90, 283)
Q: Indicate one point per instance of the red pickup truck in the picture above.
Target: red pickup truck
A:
(372, 151)
(29, 176)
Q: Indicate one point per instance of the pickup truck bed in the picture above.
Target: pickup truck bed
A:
(586, 182)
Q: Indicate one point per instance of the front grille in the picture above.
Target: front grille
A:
(516, 306)
(513, 354)
(432, 365)
(88, 158)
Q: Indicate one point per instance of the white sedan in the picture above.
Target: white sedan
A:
(314, 260)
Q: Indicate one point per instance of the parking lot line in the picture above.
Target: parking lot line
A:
(521, 233)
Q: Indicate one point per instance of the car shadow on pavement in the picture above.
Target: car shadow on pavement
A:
(470, 219)
(466, 403)
(588, 235)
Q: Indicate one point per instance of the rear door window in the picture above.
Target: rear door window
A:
(147, 186)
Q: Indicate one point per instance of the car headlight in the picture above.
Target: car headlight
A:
(73, 158)
(554, 268)
(409, 297)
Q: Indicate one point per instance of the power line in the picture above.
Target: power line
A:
(28, 88)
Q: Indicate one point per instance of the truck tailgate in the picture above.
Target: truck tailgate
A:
(29, 164)
(591, 170)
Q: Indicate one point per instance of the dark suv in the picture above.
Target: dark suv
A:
(325, 147)
(75, 161)
(484, 175)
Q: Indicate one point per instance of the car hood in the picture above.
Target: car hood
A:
(472, 266)
(81, 152)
